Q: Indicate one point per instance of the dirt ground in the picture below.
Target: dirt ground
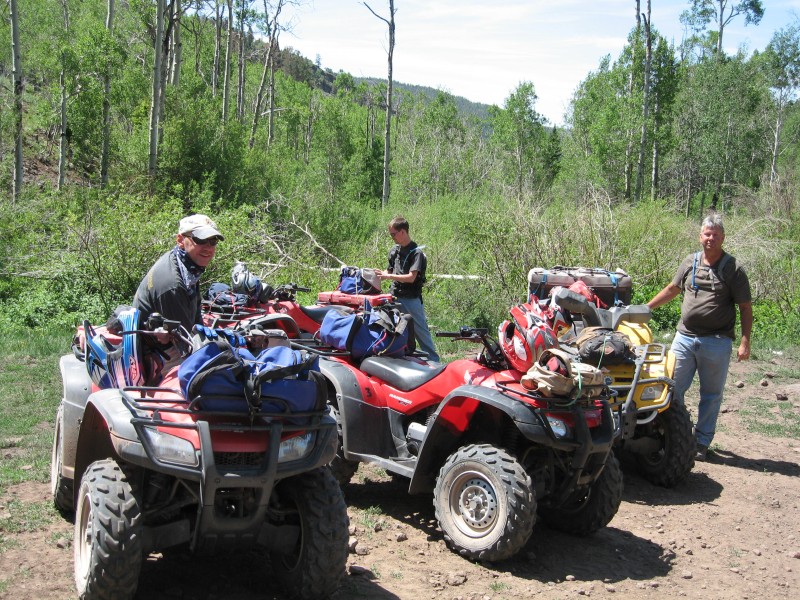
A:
(731, 530)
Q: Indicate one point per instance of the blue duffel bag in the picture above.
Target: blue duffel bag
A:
(384, 331)
(353, 280)
(222, 377)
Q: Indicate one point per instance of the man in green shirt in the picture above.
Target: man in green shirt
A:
(713, 285)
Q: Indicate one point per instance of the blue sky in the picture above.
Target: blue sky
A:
(482, 49)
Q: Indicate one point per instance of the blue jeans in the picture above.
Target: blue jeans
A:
(709, 357)
(416, 309)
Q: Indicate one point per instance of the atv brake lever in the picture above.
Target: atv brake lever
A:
(468, 334)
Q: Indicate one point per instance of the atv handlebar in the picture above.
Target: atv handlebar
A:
(287, 291)
(491, 355)
(470, 334)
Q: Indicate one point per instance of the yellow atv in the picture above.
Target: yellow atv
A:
(654, 430)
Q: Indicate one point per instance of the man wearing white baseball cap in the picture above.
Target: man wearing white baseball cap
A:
(172, 285)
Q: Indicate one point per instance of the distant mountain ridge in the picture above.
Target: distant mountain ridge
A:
(294, 64)
(465, 106)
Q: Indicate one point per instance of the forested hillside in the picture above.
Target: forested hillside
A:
(119, 117)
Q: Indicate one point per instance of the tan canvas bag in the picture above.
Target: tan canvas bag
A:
(581, 380)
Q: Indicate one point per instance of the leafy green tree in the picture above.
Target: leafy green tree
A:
(518, 134)
(665, 81)
(432, 148)
(344, 83)
(718, 131)
(781, 64)
(600, 121)
(702, 13)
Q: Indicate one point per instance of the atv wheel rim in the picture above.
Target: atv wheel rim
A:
(55, 458)
(474, 503)
(83, 542)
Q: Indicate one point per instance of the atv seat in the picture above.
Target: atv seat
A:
(402, 373)
(600, 317)
(317, 313)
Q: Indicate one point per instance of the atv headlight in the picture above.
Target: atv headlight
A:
(559, 428)
(169, 448)
(652, 392)
(295, 447)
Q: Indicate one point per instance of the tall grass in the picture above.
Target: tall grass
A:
(492, 240)
(30, 388)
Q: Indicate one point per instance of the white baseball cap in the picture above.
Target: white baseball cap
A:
(199, 226)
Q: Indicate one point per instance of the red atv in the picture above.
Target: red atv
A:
(146, 468)
(279, 309)
(494, 454)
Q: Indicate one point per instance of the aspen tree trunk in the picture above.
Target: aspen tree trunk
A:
(629, 133)
(648, 61)
(241, 71)
(776, 144)
(106, 103)
(387, 158)
(656, 154)
(271, 98)
(166, 64)
(62, 79)
(155, 104)
(226, 85)
(268, 73)
(16, 68)
(217, 46)
(177, 47)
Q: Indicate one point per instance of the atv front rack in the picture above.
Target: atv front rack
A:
(215, 468)
(139, 400)
(560, 402)
(646, 355)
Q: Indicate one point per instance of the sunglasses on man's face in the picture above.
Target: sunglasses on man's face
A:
(208, 242)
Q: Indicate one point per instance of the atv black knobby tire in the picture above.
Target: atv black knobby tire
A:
(343, 469)
(313, 501)
(484, 503)
(674, 459)
(61, 488)
(590, 510)
(108, 534)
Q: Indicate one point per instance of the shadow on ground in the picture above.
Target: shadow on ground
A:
(762, 465)
(609, 555)
(236, 576)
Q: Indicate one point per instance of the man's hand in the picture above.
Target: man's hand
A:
(744, 351)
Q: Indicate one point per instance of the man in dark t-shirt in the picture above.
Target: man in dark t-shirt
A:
(406, 271)
(713, 285)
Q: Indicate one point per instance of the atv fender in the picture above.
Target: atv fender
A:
(452, 420)
(77, 386)
(105, 431)
(364, 427)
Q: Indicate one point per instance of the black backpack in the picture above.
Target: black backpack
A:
(600, 346)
